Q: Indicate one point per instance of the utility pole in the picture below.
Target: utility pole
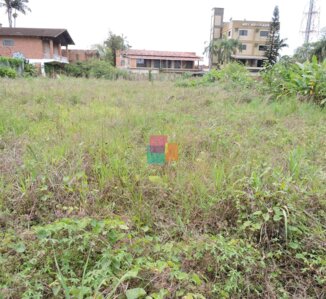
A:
(310, 21)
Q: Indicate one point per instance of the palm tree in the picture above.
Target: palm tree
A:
(17, 5)
(15, 15)
(104, 52)
(319, 49)
(303, 53)
(223, 49)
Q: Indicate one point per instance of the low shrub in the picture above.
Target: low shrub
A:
(95, 69)
(104, 258)
(11, 62)
(236, 73)
(231, 73)
(30, 70)
(8, 72)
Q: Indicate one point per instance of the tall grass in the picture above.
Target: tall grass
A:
(240, 214)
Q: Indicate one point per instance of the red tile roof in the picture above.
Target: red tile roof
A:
(148, 54)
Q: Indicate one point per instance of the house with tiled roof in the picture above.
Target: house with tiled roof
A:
(141, 61)
(39, 46)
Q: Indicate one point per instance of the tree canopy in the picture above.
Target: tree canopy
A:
(223, 49)
(308, 50)
(113, 43)
(14, 5)
(274, 43)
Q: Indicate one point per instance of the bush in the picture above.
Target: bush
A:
(236, 73)
(306, 81)
(30, 70)
(191, 82)
(11, 62)
(232, 72)
(212, 76)
(7, 72)
(95, 69)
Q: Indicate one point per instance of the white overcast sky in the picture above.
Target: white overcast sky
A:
(171, 25)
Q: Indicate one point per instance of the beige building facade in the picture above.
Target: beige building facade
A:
(253, 36)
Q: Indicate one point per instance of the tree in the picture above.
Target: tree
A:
(17, 5)
(303, 53)
(223, 49)
(274, 43)
(308, 50)
(8, 6)
(112, 44)
(104, 52)
(319, 49)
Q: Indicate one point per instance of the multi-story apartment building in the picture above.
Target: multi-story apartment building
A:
(253, 36)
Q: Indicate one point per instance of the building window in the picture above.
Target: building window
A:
(122, 63)
(157, 64)
(243, 32)
(8, 43)
(262, 48)
(243, 47)
(229, 33)
(264, 33)
(141, 62)
(77, 57)
(177, 64)
(189, 65)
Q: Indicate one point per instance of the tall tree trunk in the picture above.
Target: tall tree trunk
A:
(10, 17)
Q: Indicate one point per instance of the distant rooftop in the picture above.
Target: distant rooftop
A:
(60, 35)
(149, 54)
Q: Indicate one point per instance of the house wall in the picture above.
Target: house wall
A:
(30, 47)
(118, 58)
(79, 55)
(132, 62)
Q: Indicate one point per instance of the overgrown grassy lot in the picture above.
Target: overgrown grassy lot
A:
(241, 214)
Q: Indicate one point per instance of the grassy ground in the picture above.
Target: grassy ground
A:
(82, 214)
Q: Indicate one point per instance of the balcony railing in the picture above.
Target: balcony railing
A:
(60, 59)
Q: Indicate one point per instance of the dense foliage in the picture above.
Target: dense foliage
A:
(307, 51)
(7, 72)
(233, 73)
(221, 50)
(306, 81)
(283, 80)
(13, 67)
(110, 46)
(95, 69)
(11, 62)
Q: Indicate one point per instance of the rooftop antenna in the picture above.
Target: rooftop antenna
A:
(311, 21)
